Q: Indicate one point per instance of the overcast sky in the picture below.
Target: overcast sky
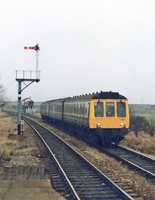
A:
(86, 46)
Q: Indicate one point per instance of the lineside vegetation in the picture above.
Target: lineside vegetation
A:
(3, 97)
(143, 142)
(141, 136)
(7, 127)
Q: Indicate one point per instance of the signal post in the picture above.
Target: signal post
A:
(26, 76)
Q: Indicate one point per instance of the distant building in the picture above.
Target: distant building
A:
(28, 105)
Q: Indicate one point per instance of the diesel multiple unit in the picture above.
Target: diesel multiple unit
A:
(102, 117)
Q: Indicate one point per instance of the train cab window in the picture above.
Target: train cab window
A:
(121, 109)
(110, 109)
(99, 109)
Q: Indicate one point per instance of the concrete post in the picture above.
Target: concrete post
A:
(19, 106)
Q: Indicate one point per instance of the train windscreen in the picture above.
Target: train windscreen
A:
(110, 109)
(99, 112)
(121, 109)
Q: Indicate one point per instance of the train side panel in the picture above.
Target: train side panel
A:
(44, 110)
(77, 112)
(56, 109)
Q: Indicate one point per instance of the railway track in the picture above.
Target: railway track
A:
(72, 175)
(142, 164)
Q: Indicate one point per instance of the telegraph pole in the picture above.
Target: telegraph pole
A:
(29, 76)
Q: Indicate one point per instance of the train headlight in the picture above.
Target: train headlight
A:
(122, 124)
(98, 125)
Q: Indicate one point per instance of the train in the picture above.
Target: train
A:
(100, 118)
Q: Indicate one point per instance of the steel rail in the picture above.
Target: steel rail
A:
(137, 154)
(131, 163)
(53, 155)
(117, 189)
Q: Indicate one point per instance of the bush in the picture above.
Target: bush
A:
(151, 124)
(138, 123)
(143, 143)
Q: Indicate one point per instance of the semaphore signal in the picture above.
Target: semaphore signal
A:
(29, 47)
(35, 47)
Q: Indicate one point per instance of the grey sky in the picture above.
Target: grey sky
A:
(86, 46)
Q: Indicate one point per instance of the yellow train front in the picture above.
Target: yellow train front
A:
(100, 118)
(109, 115)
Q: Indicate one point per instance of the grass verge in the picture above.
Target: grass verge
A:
(7, 128)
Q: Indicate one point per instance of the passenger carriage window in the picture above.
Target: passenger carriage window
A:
(85, 109)
(99, 109)
(72, 108)
(121, 109)
(88, 109)
(76, 108)
(82, 112)
(110, 109)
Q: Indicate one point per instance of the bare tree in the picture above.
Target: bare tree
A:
(151, 124)
(138, 123)
(3, 98)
